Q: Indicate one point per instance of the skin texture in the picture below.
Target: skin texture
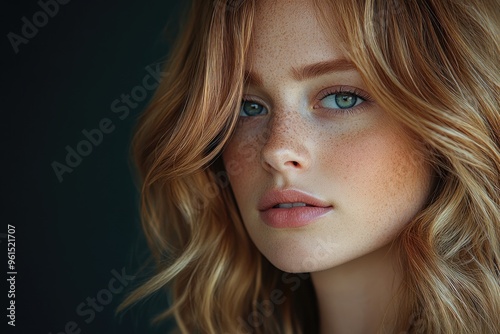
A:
(358, 160)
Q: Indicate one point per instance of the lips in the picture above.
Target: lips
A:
(291, 208)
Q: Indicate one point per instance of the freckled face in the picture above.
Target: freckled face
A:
(315, 128)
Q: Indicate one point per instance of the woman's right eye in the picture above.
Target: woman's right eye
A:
(250, 108)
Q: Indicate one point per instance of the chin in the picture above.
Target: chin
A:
(307, 258)
(304, 265)
(303, 259)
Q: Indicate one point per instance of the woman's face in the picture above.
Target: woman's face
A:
(321, 174)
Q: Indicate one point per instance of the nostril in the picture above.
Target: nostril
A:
(284, 160)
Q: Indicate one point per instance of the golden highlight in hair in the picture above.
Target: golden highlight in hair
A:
(432, 64)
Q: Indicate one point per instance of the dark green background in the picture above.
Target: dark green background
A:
(70, 235)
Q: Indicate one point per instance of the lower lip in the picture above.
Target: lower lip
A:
(293, 217)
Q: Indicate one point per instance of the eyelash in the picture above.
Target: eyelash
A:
(343, 90)
(253, 100)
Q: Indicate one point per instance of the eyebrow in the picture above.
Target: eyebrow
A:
(308, 71)
(318, 69)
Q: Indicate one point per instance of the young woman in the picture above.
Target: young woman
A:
(315, 166)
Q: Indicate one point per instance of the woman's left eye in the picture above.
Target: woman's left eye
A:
(341, 101)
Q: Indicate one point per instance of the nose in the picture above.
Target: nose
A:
(285, 149)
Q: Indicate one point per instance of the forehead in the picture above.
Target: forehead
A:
(288, 31)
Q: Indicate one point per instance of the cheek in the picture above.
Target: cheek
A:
(381, 173)
(240, 157)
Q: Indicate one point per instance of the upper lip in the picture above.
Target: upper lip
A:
(275, 197)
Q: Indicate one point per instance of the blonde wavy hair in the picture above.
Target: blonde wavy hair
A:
(432, 64)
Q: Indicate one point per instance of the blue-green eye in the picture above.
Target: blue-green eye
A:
(250, 108)
(341, 101)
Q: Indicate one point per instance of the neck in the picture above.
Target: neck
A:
(358, 296)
